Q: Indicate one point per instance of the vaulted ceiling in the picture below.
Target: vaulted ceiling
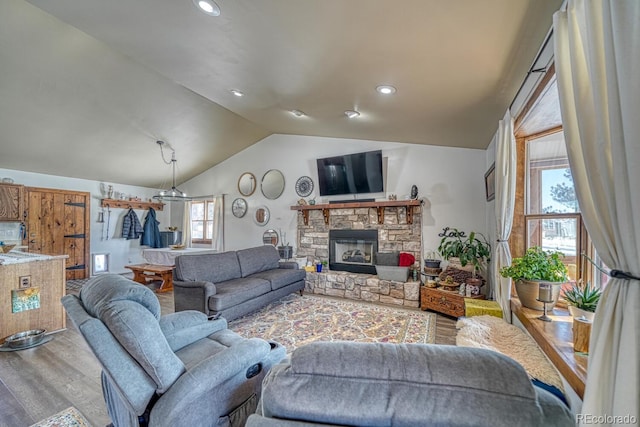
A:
(88, 86)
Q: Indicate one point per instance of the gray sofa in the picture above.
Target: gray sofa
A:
(232, 284)
(374, 384)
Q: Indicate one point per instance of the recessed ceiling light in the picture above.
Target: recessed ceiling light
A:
(298, 113)
(208, 6)
(236, 92)
(352, 114)
(386, 89)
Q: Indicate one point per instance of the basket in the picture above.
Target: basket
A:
(397, 274)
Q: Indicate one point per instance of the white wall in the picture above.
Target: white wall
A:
(449, 179)
(122, 251)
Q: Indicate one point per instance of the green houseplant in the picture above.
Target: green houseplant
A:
(582, 299)
(469, 250)
(535, 266)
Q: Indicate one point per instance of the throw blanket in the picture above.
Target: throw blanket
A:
(495, 334)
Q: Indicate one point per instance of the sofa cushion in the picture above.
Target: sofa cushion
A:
(281, 277)
(237, 291)
(261, 258)
(212, 268)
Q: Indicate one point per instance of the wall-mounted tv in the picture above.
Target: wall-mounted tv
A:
(351, 174)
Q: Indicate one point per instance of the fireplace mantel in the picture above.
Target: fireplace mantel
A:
(379, 206)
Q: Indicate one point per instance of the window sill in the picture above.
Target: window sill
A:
(556, 341)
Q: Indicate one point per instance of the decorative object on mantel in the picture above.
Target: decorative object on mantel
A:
(304, 186)
(173, 194)
(414, 192)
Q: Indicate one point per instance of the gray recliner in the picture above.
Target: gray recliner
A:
(403, 385)
(181, 369)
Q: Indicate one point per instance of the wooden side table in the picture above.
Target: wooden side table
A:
(442, 301)
(145, 273)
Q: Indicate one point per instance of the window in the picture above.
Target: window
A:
(552, 214)
(202, 221)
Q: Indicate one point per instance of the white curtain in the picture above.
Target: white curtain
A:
(597, 55)
(505, 175)
(186, 225)
(217, 238)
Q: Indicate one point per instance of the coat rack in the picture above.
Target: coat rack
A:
(133, 204)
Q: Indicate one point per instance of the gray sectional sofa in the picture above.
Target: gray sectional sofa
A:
(232, 284)
(403, 385)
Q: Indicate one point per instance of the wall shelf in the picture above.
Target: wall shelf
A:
(133, 204)
(379, 206)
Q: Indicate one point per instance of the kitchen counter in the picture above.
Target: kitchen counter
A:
(31, 286)
(18, 257)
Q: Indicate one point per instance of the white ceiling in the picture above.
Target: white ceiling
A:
(87, 91)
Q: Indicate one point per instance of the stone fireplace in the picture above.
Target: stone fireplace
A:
(353, 250)
(319, 224)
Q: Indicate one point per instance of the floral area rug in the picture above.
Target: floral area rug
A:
(297, 320)
(70, 417)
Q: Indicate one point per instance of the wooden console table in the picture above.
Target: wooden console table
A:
(145, 273)
(445, 302)
(379, 206)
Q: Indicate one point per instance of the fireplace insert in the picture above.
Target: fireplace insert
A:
(353, 250)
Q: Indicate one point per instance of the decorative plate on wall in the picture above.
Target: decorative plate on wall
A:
(239, 207)
(304, 186)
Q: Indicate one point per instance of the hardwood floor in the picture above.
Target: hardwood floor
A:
(39, 382)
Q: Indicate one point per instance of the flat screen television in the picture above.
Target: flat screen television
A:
(351, 174)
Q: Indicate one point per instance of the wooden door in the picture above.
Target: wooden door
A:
(58, 224)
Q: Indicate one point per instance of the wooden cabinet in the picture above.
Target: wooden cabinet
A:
(11, 202)
(445, 302)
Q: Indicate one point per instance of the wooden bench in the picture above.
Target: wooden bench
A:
(145, 273)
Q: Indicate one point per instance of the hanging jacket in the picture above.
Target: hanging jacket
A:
(131, 228)
(151, 232)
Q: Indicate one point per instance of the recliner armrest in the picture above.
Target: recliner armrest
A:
(186, 327)
(207, 376)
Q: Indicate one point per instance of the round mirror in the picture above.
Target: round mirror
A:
(270, 237)
(247, 184)
(262, 215)
(272, 184)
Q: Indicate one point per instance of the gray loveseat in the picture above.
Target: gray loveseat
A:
(406, 385)
(232, 284)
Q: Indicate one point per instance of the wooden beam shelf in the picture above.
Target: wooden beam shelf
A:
(133, 204)
(379, 206)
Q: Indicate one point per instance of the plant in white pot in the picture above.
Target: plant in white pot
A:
(537, 265)
(582, 300)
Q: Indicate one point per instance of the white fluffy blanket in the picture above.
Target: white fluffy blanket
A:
(495, 334)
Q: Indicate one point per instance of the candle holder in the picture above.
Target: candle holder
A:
(545, 296)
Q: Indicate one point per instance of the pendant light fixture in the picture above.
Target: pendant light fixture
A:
(174, 194)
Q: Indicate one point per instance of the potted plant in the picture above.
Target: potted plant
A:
(582, 300)
(460, 249)
(431, 259)
(537, 265)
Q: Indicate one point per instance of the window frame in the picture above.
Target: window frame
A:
(206, 239)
